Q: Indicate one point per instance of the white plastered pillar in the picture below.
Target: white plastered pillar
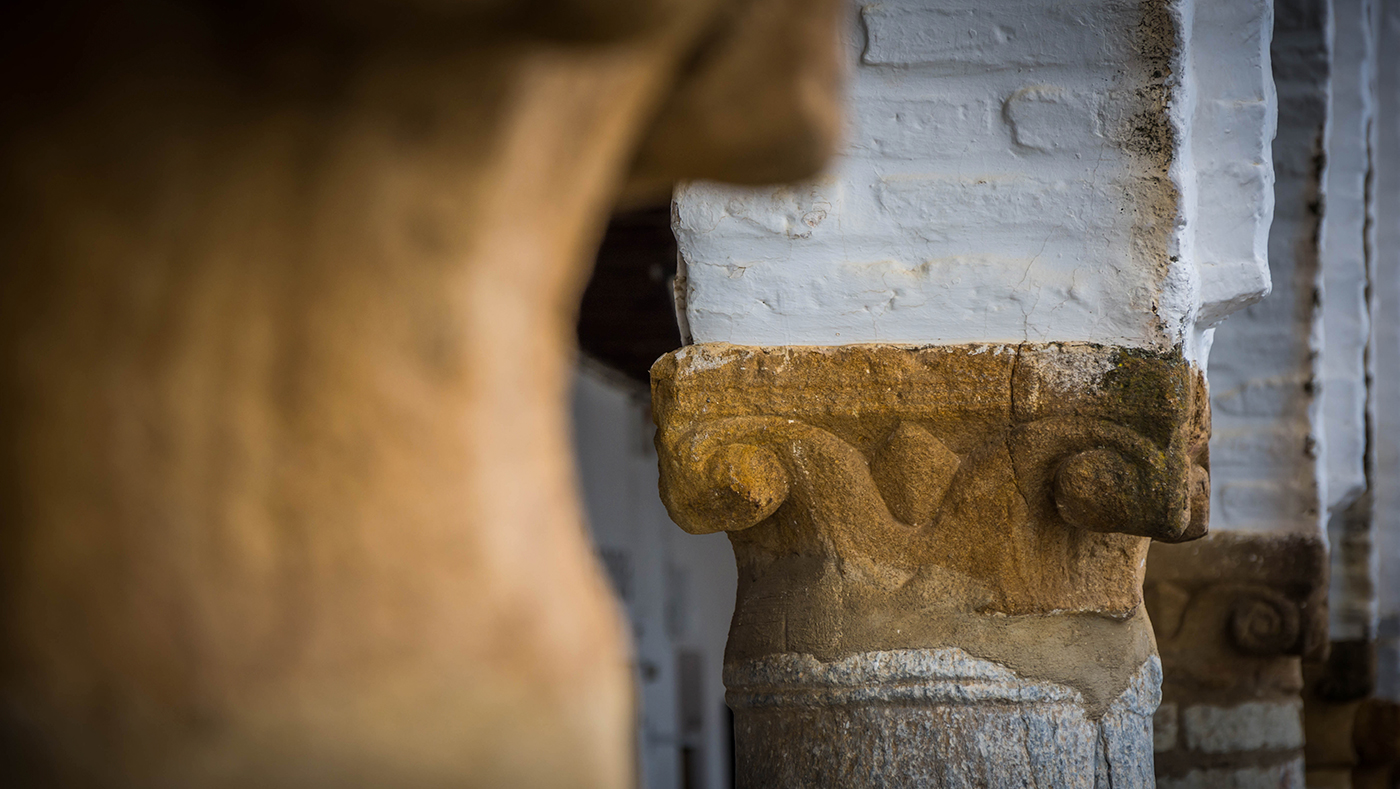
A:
(1385, 354)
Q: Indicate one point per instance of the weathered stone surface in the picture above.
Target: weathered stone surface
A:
(940, 552)
(805, 453)
(932, 718)
(1235, 614)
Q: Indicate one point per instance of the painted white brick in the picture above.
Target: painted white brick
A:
(1052, 118)
(1252, 726)
(912, 129)
(1260, 398)
(1289, 775)
(1003, 35)
(1230, 170)
(1258, 505)
(997, 187)
(1266, 451)
(1164, 728)
(1021, 205)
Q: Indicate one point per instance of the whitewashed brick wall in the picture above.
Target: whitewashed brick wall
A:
(1348, 230)
(1266, 447)
(1011, 174)
(1385, 350)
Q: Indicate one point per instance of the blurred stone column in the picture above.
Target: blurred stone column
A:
(1345, 725)
(286, 307)
(1377, 736)
(942, 398)
(1236, 613)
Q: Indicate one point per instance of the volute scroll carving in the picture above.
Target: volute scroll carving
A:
(1098, 475)
(1264, 622)
(1239, 597)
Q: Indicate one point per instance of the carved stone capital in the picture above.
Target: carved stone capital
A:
(1231, 603)
(1009, 479)
(943, 540)
(1235, 615)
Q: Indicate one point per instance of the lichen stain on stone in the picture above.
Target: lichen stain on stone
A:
(1148, 133)
(697, 358)
(1158, 42)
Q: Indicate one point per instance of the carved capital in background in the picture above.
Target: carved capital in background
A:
(867, 488)
(1222, 601)
(1235, 615)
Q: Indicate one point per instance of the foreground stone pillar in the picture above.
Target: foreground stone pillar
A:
(287, 293)
(911, 527)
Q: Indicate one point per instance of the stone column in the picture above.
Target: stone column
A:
(1347, 245)
(942, 398)
(1378, 736)
(1385, 355)
(940, 552)
(1343, 720)
(1236, 613)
